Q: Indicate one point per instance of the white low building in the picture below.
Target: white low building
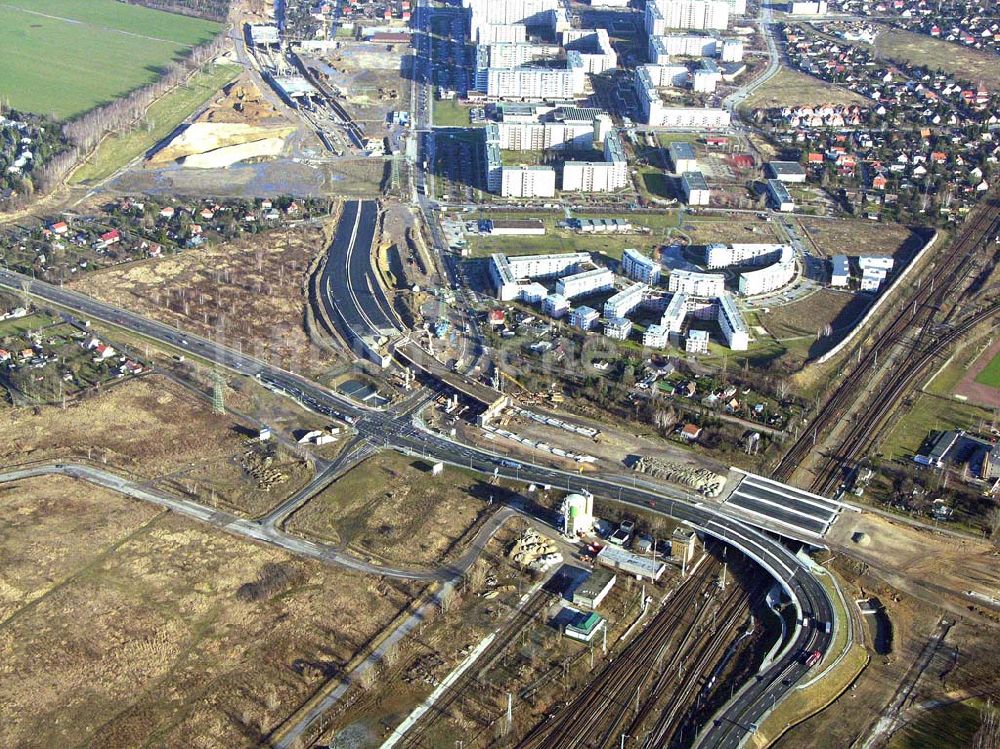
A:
(695, 188)
(779, 197)
(841, 275)
(683, 158)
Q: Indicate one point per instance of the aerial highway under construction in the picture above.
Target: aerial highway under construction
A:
(406, 433)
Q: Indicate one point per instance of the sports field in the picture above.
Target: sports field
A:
(63, 57)
(990, 374)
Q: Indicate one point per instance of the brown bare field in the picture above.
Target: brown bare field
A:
(856, 236)
(392, 508)
(175, 636)
(153, 428)
(808, 316)
(728, 229)
(789, 88)
(50, 511)
(147, 426)
(968, 64)
(249, 293)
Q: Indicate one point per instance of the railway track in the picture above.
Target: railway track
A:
(599, 712)
(462, 687)
(950, 270)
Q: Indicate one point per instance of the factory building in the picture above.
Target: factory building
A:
(769, 278)
(695, 188)
(786, 171)
(720, 255)
(584, 317)
(656, 336)
(638, 267)
(673, 316)
(682, 156)
(587, 282)
(696, 342)
(683, 545)
(555, 306)
(578, 514)
(692, 283)
(594, 589)
(700, 15)
(734, 328)
(527, 181)
(618, 328)
(841, 275)
(625, 301)
(779, 196)
(810, 8)
(619, 559)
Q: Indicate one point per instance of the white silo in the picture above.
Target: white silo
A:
(578, 514)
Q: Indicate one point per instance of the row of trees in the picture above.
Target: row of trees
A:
(213, 10)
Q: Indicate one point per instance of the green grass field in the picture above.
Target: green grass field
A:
(991, 373)
(163, 116)
(64, 57)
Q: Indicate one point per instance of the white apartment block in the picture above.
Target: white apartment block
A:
(583, 317)
(533, 293)
(768, 279)
(737, 7)
(529, 83)
(696, 342)
(543, 136)
(555, 306)
(617, 328)
(662, 76)
(656, 336)
(510, 274)
(872, 278)
(673, 316)
(507, 12)
(732, 50)
(492, 159)
(700, 15)
(592, 176)
(695, 188)
(692, 283)
(638, 267)
(684, 45)
(706, 78)
(875, 262)
(734, 328)
(655, 112)
(625, 301)
(594, 46)
(588, 282)
(720, 255)
(527, 181)
(490, 33)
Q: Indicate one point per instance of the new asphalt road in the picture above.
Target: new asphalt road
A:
(408, 434)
